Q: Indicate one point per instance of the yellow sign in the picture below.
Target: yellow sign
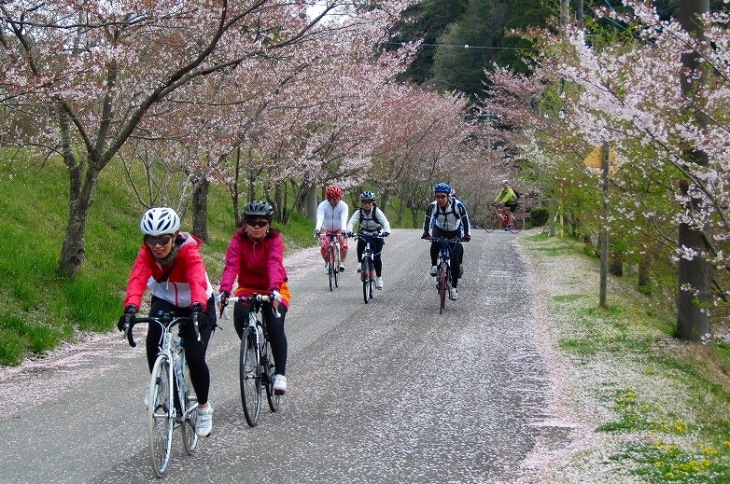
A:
(595, 159)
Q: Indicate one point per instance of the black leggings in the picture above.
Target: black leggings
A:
(457, 252)
(194, 349)
(377, 246)
(274, 329)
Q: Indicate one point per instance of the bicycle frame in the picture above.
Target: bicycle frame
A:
(256, 366)
(443, 269)
(333, 250)
(499, 219)
(162, 408)
(367, 268)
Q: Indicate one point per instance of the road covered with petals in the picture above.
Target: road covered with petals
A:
(391, 391)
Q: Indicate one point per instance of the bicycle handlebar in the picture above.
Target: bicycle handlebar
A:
(363, 236)
(166, 322)
(255, 298)
(443, 240)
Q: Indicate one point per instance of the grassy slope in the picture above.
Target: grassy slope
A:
(39, 309)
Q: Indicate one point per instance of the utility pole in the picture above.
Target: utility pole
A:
(604, 228)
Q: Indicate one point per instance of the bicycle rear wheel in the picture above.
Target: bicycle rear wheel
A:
(493, 223)
(160, 416)
(443, 282)
(187, 427)
(269, 371)
(518, 222)
(249, 377)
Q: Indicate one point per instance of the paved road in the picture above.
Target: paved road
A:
(385, 392)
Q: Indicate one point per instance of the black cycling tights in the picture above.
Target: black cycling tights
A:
(194, 350)
(377, 246)
(457, 253)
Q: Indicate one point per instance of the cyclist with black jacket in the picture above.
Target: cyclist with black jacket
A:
(446, 217)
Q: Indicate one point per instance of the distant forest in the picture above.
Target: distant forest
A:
(461, 38)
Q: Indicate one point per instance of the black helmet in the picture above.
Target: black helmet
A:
(257, 208)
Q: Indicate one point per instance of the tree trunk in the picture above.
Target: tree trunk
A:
(312, 204)
(616, 265)
(693, 294)
(80, 199)
(200, 209)
(644, 268)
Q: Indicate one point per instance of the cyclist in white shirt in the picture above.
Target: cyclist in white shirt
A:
(332, 219)
(372, 221)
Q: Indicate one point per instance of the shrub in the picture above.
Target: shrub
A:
(539, 216)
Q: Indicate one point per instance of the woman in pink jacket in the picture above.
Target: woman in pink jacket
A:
(256, 257)
(170, 265)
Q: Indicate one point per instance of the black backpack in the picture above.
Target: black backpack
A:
(375, 216)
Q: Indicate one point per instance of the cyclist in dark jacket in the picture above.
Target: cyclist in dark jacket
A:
(446, 217)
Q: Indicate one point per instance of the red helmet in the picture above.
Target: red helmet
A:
(334, 192)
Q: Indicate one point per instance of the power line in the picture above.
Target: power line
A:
(465, 46)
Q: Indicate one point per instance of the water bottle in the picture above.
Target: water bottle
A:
(178, 368)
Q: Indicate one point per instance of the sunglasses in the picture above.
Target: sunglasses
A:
(161, 240)
(257, 223)
(440, 196)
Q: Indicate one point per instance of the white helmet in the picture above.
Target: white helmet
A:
(159, 220)
(505, 181)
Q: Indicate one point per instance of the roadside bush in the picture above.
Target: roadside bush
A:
(539, 216)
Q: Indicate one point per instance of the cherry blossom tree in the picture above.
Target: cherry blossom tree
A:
(628, 93)
(94, 73)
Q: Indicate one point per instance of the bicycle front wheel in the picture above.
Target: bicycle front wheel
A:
(336, 268)
(443, 282)
(270, 372)
(365, 276)
(330, 270)
(160, 415)
(249, 377)
(493, 223)
(187, 427)
(518, 222)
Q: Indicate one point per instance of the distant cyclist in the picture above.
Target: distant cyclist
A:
(332, 218)
(446, 217)
(372, 221)
(508, 199)
(255, 257)
(170, 264)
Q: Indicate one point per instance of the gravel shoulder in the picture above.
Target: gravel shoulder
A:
(588, 388)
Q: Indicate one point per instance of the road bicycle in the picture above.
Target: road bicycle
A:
(256, 368)
(443, 269)
(170, 401)
(333, 251)
(498, 220)
(367, 266)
